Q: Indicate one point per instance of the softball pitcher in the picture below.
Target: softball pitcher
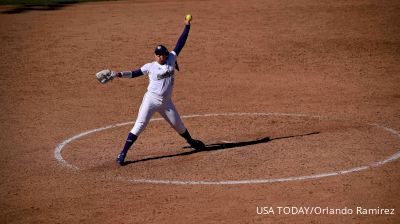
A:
(161, 73)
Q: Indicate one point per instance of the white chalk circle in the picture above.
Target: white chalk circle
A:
(63, 162)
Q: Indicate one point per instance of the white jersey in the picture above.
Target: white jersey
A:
(161, 77)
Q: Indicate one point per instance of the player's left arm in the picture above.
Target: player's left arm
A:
(182, 39)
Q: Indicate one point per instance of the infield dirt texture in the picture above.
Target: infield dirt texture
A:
(329, 71)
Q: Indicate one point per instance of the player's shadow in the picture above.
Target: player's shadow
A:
(221, 146)
(51, 6)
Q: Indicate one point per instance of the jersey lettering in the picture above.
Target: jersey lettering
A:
(165, 75)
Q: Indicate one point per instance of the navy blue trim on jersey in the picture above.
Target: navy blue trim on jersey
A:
(182, 40)
(137, 73)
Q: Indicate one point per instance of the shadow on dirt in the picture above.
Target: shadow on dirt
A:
(55, 5)
(221, 146)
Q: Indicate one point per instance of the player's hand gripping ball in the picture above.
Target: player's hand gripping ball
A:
(188, 17)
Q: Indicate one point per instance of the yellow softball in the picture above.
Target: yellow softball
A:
(188, 17)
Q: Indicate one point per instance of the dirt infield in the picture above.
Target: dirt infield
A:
(284, 90)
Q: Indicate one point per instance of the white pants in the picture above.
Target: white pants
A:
(153, 103)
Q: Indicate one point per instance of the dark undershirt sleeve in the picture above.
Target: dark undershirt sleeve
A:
(182, 40)
(137, 73)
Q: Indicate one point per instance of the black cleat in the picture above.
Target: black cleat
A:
(121, 159)
(197, 144)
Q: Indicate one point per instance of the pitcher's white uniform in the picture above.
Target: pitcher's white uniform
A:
(158, 96)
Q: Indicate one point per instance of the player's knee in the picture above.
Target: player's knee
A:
(138, 128)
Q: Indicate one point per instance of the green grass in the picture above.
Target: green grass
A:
(43, 2)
